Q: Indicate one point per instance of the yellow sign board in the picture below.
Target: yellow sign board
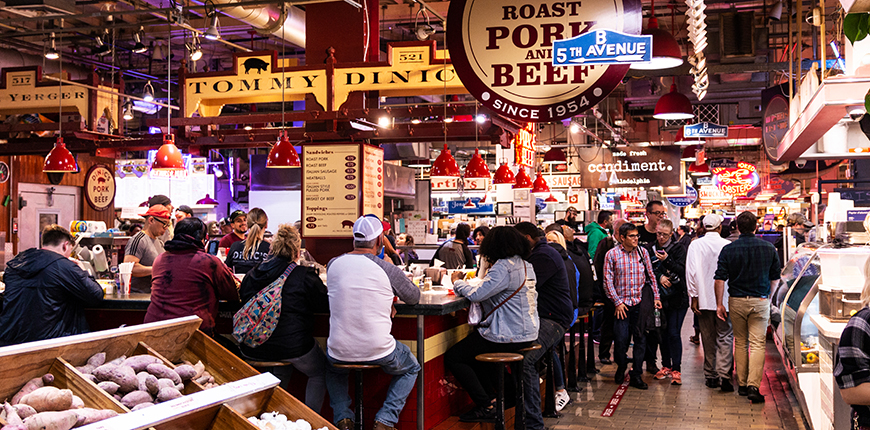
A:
(412, 68)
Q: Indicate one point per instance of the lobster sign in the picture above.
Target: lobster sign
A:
(737, 181)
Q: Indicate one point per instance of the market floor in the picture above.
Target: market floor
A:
(689, 406)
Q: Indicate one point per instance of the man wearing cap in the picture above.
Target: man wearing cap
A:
(183, 211)
(361, 291)
(716, 336)
(145, 246)
(239, 222)
(160, 199)
(570, 219)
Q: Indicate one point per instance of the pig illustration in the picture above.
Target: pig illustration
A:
(101, 180)
(346, 223)
(255, 63)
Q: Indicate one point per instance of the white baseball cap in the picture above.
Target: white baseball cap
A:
(712, 221)
(367, 227)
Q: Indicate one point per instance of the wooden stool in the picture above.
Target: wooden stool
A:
(358, 390)
(520, 410)
(505, 358)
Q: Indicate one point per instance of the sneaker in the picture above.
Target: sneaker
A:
(694, 339)
(605, 361)
(663, 373)
(638, 383)
(713, 383)
(676, 378)
(743, 390)
(619, 378)
(478, 414)
(562, 400)
(754, 396)
(345, 424)
(726, 385)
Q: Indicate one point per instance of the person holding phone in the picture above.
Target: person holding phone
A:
(669, 264)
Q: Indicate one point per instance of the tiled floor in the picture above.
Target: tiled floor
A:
(689, 406)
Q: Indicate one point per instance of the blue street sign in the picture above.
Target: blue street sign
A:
(705, 129)
(602, 47)
(684, 201)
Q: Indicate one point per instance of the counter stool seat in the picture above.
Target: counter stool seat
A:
(358, 389)
(499, 357)
(503, 358)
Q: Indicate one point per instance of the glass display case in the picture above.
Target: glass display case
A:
(795, 301)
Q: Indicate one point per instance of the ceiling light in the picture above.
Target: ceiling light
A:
(139, 47)
(856, 111)
(523, 180)
(666, 51)
(101, 49)
(575, 128)
(415, 121)
(168, 156)
(213, 32)
(60, 160)
(673, 105)
(384, 122)
(194, 48)
(555, 156)
(504, 175)
(699, 169)
(469, 204)
(551, 199)
(444, 166)
(476, 167)
(128, 110)
(776, 11)
(52, 53)
(148, 92)
(540, 186)
(248, 127)
(159, 52)
(283, 155)
(422, 31)
(480, 118)
(688, 154)
(448, 119)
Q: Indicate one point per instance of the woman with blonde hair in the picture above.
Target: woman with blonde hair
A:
(302, 295)
(852, 371)
(244, 255)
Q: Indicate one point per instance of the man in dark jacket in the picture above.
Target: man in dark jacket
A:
(555, 310)
(46, 293)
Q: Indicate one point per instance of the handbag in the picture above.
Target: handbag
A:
(255, 322)
(475, 311)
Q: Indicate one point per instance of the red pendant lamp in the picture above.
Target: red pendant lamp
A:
(540, 186)
(504, 175)
(444, 166)
(523, 180)
(666, 51)
(60, 160)
(469, 204)
(476, 167)
(551, 199)
(283, 155)
(688, 154)
(673, 105)
(682, 140)
(168, 156)
(699, 169)
(555, 156)
(207, 201)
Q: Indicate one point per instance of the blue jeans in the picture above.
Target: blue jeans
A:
(672, 344)
(400, 363)
(623, 331)
(549, 334)
(312, 364)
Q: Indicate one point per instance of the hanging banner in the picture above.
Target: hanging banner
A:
(603, 47)
(630, 167)
(503, 53)
(524, 147)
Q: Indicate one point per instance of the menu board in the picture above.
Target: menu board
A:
(373, 181)
(331, 180)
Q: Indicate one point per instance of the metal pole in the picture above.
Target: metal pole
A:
(421, 358)
(79, 84)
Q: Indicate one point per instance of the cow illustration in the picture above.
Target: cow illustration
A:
(255, 63)
(346, 223)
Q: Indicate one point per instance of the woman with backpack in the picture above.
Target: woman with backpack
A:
(303, 294)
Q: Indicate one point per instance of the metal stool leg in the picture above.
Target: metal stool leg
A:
(358, 391)
(582, 363)
(520, 408)
(571, 369)
(590, 354)
(499, 400)
(550, 392)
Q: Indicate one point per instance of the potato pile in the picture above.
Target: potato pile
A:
(143, 380)
(40, 406)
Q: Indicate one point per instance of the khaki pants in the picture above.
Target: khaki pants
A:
(749, 318)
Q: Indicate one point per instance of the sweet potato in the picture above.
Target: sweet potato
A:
(109, 387)
(200, 368)
(167, 394)
(89, 416)
(186, 372)
(49, 399)
(148, 382)
(142, 406)
(90, 377)
(77, 402)
(118, 361)
(134, 398)
(104, 372)
(161, 371)
(139, 362)
(24, 411)
(14, 427)
(125, 377)
(203, 379)
(117, 396)
(86, 369)
(12, 417)
(163, 382)
(52, 421)
(97, 359)
(32, 385)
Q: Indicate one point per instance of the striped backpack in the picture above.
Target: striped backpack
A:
(255, 322)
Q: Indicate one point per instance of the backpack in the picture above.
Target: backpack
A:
(255, 322)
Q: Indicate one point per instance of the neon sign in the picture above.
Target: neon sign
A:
(524, 144)
(737, 181)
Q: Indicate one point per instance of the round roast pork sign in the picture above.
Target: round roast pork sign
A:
(503, 53)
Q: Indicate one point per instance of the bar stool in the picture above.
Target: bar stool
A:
(505, 358)
(358, 390)
(520, 409)
(550, 393)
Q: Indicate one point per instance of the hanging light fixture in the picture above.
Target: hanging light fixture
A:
(194, 48)
(51, 53)
(168, 157)
(688, 154)
(523, 180)
(540, 185)
(213, 32)
(702, 169)
(59, 159)
(613, 179)
(682, 140)
(673, 105)
(128, 110)
(477, 168)
(148, 92)
(422, 31)
(139, 47)
(159, 52)
(555, 156)
(551, 199)
(469, 204)
(283, 154)
(207, 201)
(666, 51)
(603, 176)
(102, 49)
(504, 175)
(444, 166)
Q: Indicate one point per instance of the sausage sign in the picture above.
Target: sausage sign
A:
(504, 53)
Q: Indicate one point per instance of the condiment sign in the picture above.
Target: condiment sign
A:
(705, 129)
(603, 47)
(736, 181)
(99, 187)
(503, 53)
(331, 188)
(524, 146)
(632, 167)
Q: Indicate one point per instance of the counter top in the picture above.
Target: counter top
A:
(828, 328)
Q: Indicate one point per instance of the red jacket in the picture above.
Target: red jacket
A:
(189, 282)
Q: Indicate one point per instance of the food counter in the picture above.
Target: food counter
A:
(429, 328)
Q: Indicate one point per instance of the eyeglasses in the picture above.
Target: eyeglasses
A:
(659, 213)
(165, 223)
(632, 236)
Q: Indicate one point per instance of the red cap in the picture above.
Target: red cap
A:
(386, 225)
(157, 211)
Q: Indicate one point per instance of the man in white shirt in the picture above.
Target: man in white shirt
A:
(361, 290)
(717, 337)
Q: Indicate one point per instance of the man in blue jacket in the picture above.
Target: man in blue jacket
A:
(46, 293)
(555, 310)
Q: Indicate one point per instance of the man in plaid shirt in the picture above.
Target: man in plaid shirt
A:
(626, 269)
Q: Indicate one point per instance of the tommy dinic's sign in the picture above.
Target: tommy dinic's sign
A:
(412, 68)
